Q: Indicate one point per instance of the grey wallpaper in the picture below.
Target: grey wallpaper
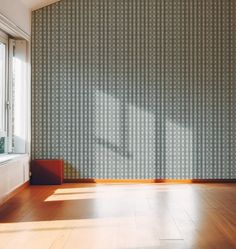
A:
(138, 89)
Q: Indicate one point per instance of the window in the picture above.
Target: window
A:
(3, 87)
(13, 95)
(18, 96)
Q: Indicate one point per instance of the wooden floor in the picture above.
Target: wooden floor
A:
(121, 216)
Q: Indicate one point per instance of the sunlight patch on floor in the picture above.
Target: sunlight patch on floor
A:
(88, 233)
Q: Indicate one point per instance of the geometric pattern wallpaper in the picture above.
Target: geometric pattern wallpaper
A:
(139, 89)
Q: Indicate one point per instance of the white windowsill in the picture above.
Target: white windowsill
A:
(9, 157)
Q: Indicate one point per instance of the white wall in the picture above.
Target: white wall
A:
(17, 12)
(13, 174)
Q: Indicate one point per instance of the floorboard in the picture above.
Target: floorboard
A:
(121, 216)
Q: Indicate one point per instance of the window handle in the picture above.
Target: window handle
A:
(8, 105)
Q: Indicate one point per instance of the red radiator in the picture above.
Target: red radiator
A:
(47, 172)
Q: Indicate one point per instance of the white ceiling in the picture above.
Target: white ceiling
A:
(36, 4)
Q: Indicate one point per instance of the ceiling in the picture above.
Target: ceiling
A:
(36, 4)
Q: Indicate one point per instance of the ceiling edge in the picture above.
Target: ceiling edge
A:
(44, 4)
(12, 29)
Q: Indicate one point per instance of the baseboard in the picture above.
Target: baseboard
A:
(174, 181)
(14, 192)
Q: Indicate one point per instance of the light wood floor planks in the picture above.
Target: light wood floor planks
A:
(121, 216)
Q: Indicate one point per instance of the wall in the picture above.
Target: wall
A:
(13, 174)
(18, 13)
(135, 89)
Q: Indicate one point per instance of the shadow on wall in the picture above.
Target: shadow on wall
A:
(174, 139)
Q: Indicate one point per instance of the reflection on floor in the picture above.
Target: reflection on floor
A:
(121, 216)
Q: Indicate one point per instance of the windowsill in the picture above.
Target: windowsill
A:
(10, 157)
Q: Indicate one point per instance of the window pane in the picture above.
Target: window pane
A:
(19, 93)
(2, 87)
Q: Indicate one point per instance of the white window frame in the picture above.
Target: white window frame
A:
(4, 133)
(10, 30)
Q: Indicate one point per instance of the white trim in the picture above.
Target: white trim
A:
(11, 157)
(12, 29)
(44, 4)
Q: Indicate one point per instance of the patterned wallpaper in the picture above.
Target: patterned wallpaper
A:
(136, 89)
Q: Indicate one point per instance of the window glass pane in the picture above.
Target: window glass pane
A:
(19, 94)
